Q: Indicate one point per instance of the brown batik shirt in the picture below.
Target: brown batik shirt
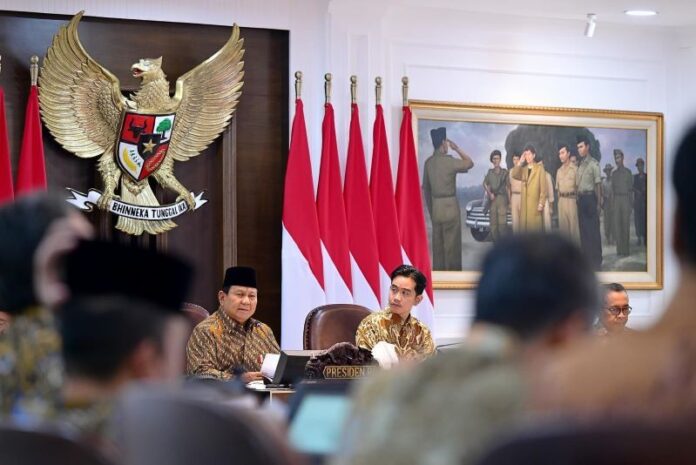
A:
(218, 345)
(411, 338)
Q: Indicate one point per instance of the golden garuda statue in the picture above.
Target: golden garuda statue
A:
(141, 136)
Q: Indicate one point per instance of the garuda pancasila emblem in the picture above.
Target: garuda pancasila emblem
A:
(142, 136)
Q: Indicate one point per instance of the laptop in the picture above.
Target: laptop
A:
(318, 413)
(290, 367)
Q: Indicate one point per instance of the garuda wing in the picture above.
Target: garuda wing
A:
(207, 97)
(81, 101)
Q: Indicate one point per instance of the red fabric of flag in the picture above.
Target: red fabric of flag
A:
(299, 213)
(409, 203)
(361, 229)
(31, 175)
(302, 286)
(382, 196)
(333, 225)
(6, 190)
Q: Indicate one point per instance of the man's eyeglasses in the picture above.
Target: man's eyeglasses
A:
(616, 311)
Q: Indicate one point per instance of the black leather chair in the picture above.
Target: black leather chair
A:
(326, 325)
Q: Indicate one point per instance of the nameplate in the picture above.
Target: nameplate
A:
(348, 371)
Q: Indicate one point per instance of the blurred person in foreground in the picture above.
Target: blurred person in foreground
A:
(33, 230)
(649, 373)
(614, 315)
(122, 323)
(529, 304)
(230, 339)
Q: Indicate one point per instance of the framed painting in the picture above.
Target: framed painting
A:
(603, 185)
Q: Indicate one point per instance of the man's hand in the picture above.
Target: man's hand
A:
(540, 208)
(250, 376)
(491, 196)
(452, 145)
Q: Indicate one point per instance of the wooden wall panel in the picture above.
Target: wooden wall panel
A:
(242, 172)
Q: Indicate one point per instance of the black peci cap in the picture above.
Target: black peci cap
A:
(240, 276)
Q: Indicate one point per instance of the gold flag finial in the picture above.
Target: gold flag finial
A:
(378, 90)
(34, 69)
(298, 84)
(353, 88)
(327, 88)
(404, 89)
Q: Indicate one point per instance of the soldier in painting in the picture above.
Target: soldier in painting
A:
(440, 192)
(495, 185)
(621, 186)
(607, 205)
(640, 200)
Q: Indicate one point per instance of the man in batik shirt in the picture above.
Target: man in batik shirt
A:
(230, 339)
(395, 325)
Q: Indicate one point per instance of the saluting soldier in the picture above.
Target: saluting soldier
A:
(567, 203)
(440, 192)
(621, 186)
(495, 184)
(640, 200)
(589, 185)
(515, 194)
(609, 223)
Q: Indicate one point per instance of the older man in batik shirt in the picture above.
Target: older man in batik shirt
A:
(395, 325)
(231, 340)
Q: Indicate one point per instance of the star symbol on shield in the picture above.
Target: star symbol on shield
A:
(148, 146)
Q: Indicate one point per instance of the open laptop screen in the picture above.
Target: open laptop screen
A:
(318, 415)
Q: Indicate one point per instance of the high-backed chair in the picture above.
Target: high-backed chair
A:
(39, 446)
(195, 313)
(329, 324)
(617, 442)
(181, 428)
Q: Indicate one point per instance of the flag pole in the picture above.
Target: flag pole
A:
(404, 89)
(34, 70)
(298, 84)
(327, 88)
(353, 88)
(378, 90)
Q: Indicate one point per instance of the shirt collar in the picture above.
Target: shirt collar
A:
(232, 326)
(396, 319)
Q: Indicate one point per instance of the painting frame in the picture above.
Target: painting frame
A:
(426, 112)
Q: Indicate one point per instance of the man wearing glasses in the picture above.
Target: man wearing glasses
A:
(395, 325)
(614, 314)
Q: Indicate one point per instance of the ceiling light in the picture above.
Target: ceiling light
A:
(640, 12)
(591, 24)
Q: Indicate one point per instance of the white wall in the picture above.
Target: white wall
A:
(456, 56)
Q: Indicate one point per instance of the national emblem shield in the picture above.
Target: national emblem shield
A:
(143, 143)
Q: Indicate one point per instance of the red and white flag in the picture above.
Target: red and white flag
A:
(6, 190)
(302, 285)
(362, 238)
(409, 210)
(31, 174)
(332, 217)
(383, 207)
